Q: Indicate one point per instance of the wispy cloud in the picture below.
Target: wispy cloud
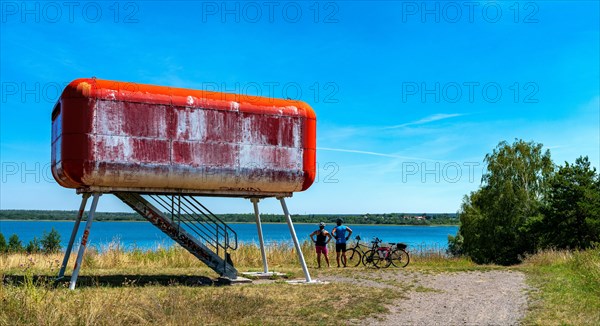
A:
(431, 118)
(337, 135)
(344, 150)
(331, 133)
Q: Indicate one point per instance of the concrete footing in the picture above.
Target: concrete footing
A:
(263, 275)
(237, 280)
(303, 281)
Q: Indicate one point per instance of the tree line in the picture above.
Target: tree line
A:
(526, 203)
(389, 218)
(49, 243)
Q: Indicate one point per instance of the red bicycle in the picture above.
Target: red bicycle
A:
(394, 254)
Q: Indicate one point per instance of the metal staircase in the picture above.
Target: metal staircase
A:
(185, 220)
(191, 224)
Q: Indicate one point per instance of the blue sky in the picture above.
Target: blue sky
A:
(409, 96)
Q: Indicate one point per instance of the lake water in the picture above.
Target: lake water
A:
(144, 235)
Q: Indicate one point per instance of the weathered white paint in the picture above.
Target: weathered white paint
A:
(254, 161)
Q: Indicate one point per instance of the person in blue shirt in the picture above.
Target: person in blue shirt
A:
(341, 233)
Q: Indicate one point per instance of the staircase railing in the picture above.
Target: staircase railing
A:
(191, 215)
(189, 223)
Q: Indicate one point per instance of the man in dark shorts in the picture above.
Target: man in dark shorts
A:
(341, 233)
(323, 238)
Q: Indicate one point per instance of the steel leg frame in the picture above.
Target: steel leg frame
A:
(260, 235)
(84, 199)
(295, 239)
(84, 241)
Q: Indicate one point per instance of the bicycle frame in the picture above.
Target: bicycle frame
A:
(386, 252)
(358, 245)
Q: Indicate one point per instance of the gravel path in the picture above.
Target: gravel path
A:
(461, 298)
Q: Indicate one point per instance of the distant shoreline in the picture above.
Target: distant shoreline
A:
(232, 222)
(423, 219)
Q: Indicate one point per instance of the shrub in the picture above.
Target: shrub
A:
(51, 241)
(15, 244)
(33, 246)
(455, 245)
(3, 247)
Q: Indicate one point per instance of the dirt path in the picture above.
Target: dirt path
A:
(461, 298)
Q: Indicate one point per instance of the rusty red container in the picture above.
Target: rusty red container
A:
(110, 135)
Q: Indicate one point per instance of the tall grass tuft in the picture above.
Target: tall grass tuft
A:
(587, 267)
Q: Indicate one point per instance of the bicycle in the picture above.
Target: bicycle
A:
(374, 255)
(395, 254)
(399, 257)
(354, 255)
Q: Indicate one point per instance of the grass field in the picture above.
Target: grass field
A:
(168, 287)
(568, 288)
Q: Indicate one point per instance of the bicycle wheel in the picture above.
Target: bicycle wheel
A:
(400, 258)
(370, 259)
(353, 257)
(384, 262)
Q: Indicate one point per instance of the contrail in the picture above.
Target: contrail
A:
(376, 154)
(431, 118)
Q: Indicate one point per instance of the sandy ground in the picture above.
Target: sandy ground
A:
(458, 298)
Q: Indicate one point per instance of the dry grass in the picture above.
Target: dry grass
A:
(161, 287)
(247, 257)
(114, 257)
(178, 305)
(549, 257)
(119, 287)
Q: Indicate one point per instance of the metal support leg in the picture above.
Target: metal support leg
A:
(295, 239)
(84, 199)
(84, 241)
(260, 235)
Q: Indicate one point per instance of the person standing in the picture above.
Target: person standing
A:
(323, 238)
(341, 233)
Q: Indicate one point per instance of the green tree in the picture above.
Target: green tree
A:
(51, 241)
(572, 215)
(3, 247)
(33, 246)
(14, 244)
(494, 219)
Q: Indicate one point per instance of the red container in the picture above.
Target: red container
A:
(110, 135)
